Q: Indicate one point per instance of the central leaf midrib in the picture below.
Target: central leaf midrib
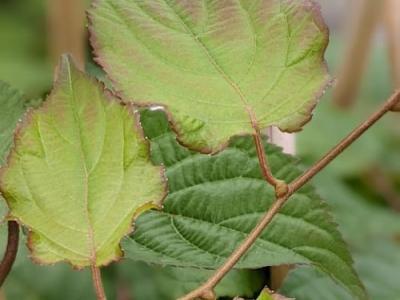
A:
(90, 232)
(214, 63)
(275, 243)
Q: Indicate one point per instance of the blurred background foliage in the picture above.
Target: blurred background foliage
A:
(362, 186)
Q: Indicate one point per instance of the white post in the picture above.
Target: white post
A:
(288, 142)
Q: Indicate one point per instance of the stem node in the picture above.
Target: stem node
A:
(208, 294)
(281, 188)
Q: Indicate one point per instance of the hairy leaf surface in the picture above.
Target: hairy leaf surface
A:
(215, 201)
(78, 174)
(216, 65)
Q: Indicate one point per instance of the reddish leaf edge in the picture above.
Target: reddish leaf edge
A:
(296, 125)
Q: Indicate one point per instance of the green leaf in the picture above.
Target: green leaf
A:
(309, 284)
(216, 65)
(378, 266)
(215, 201)
(79, 173)
(385, 223)
(12, 107)
(148, 282)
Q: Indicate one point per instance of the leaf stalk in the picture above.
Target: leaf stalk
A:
(97, 283)
(280, 186)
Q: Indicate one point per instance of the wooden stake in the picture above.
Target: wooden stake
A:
(288, 143)
(362, 25)
(66, 27)
(392, 26)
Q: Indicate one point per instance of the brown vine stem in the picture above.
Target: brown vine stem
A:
(347, 141)
(97, 283)
(11, 251)
(206, 291)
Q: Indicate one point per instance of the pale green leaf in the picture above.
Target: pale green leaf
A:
(267, 294)
(264, 295)
(215, 64)
(79, 173)
(215, 201)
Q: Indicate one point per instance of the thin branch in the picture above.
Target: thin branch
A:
(262, 159)
(208, 287)
(347, 141)
(279, 185)
(66, 29)
(288, 143)
(11, 251)
(97, 283)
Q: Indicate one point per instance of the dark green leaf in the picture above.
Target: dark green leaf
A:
(12, 107)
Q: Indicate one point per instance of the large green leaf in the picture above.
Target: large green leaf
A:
(215, 201)
(79, 173)
(215, 64)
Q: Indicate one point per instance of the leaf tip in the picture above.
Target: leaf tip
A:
(65, 67)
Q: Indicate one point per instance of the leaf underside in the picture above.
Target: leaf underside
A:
(215, 201)
(216, 65)
(78, 173)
